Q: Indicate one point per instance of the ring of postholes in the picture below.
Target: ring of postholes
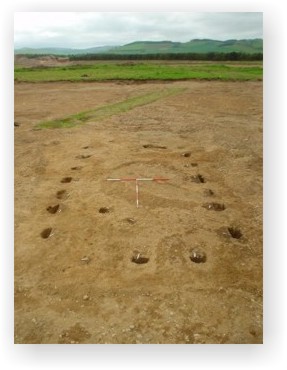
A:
(197, 255)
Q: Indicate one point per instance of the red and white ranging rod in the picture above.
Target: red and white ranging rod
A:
(137, 180)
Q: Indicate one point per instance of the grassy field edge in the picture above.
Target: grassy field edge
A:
(138, 72)
(110, 109)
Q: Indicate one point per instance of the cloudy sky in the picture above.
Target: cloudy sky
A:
(83, 30)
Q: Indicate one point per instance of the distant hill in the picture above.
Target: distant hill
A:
(193, 46)
(63, 51)
(159, 47)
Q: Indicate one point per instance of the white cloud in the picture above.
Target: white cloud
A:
(81, 30)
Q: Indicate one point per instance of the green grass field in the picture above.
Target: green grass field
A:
(138, 71)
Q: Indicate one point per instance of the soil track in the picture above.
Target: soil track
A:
(198, 236)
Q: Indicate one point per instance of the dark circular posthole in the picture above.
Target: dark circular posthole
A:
(208, 192)
(139, 259)
(186, 154)
(235, 232)
(62, 194)
(83, 156)
(104, 210)
(76, 168)
(53, 209)
(190, 164)
(131, 220)
(46, 233)
(197, 256)
(66, 180)
(214, 206)
(199, 179)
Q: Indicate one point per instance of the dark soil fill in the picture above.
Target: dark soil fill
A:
(234, 232)
(131, 220)
(53, 209)
(76, 168)
(199, 179)
(152, 146)
(62, 194)
(46, 233)
(208, 192)
(66, 180)
(186, 155)
(104, 210)
(83, 156)
(198, 256)
(139, 259)
(214, 206)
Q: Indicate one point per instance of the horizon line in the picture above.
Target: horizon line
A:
(105, 45)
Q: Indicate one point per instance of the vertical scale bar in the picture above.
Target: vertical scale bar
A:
(137, 192)
(137, 180)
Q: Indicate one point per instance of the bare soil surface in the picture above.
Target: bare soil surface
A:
(186, 266)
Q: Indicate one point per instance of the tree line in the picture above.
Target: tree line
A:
(212, 56)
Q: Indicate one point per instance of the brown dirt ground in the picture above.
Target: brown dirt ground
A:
(106, 298)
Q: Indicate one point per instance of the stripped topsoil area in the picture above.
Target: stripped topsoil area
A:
(186, 266)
